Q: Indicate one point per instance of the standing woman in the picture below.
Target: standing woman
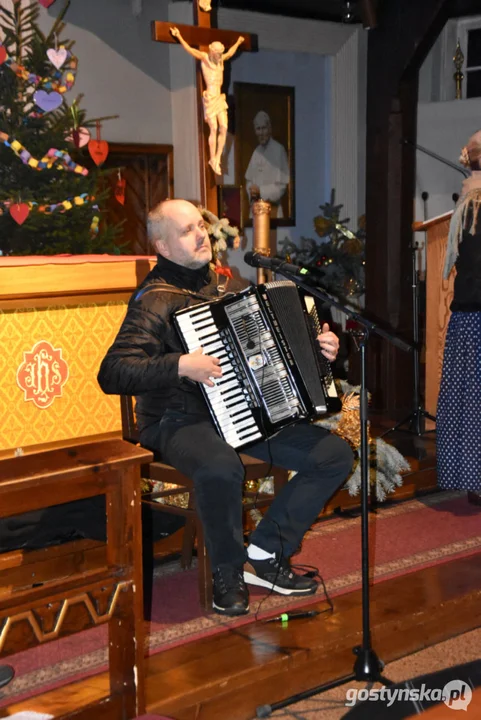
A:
(459, 404)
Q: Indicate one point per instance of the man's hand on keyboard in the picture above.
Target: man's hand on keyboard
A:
(199, 367)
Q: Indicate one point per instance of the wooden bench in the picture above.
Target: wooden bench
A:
(48, 594)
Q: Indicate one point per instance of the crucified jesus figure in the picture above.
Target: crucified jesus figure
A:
(215, 105)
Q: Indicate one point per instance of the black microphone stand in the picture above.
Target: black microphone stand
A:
(416, 419)
(367, 666)
(437, 157)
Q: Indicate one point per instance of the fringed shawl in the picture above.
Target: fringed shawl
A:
(465, 217)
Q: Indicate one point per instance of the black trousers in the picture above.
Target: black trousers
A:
(191, 444)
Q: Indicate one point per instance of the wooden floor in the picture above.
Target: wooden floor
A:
(227, 676)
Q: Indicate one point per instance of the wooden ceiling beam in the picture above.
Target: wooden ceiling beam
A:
(396, 48)
(462, 8)
(368, 13)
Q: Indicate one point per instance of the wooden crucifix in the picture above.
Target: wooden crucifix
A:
(211, 43)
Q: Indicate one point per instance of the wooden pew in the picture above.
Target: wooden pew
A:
(48, 594)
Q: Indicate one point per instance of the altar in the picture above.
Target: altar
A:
(58, 316)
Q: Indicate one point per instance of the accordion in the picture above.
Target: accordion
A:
(274, 373)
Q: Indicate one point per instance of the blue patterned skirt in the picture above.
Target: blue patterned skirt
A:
(458, 426)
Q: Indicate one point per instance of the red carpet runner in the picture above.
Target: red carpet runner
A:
(403, 538)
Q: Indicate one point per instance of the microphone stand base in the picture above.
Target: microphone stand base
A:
(367, 668)
(416, 424)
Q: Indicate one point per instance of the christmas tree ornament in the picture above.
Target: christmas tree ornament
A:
(46, 3)
(98, 149)
(57, 57)
(94, 225)
(119, 190)
(19, 212)
(55, 82)
(53, 158)
(62, 206)
(3, 54)
(79, 137)
(47, 101)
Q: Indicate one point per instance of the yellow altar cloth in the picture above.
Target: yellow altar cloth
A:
(58, 316)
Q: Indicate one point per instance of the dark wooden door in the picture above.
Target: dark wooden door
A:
(148, 174)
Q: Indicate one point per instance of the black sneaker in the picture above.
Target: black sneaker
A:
(276, 574)
(6, 674)
(231, 596)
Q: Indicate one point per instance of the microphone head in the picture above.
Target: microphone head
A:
(255, 259)
(249, 258)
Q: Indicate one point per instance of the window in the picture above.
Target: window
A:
(470, 41)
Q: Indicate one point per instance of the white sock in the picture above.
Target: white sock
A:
(257, 553)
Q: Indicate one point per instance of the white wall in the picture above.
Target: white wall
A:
(443, 128)
(121, 70)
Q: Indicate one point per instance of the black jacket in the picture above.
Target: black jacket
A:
(144, 359)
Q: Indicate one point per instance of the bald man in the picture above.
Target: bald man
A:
(267, 175)
(147, 360)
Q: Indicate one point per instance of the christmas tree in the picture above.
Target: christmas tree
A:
(50, 201)
(339, 257)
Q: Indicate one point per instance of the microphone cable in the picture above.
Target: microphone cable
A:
(312, 571)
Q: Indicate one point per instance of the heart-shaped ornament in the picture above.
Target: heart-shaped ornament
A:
(79, 137)
(98, 149)
(47, 101)
(119, 191)
(3, 54)
(46, 3)
(19, 212)
(57, 57)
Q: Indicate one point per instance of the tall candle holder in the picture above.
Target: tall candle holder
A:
(458, 76)
(261, 217)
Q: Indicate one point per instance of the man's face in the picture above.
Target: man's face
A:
(263, 131)
(187, 242)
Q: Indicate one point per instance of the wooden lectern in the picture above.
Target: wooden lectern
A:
(439, 294)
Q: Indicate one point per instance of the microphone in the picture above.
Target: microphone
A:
(257, 260)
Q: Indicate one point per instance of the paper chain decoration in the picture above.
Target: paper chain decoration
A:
(58, 158)
(62, 207)
(52, 83)
(65, 204)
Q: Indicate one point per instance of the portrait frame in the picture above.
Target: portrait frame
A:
(278, 101)
(229, 198)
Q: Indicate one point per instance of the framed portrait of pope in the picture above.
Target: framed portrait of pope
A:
(264, 149)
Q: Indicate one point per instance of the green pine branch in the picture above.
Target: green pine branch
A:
(338, 254)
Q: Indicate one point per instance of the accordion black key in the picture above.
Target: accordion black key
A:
(273, 371)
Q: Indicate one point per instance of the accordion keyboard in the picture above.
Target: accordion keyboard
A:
(229, 400)
(256, 394)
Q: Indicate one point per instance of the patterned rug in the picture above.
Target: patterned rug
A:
(403, 538)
